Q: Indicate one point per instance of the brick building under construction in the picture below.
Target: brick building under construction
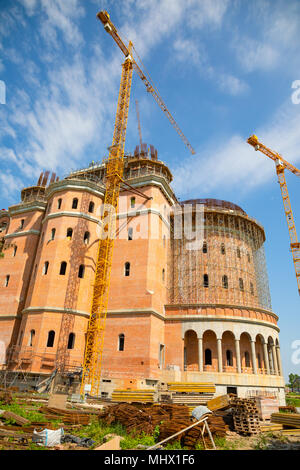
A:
(176, 312)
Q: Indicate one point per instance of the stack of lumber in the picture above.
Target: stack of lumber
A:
(137, 419)
(266, 406)
(270, 427)
(245, 416)
(286, 419)
(66, 416)
(133, 396)
(191, 393)
(192, 436)
(217, 428)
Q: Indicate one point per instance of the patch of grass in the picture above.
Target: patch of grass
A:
(131, 442)
(290, 401)
(97, 430)
(20, 410)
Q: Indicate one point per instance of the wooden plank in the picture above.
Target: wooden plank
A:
(10, 415)
(219, 403)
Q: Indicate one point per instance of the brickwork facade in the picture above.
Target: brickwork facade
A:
(172, 314)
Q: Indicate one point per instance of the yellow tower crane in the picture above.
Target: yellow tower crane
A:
(114, 171)
(281, 165)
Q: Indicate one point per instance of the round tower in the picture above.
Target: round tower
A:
(219, 301)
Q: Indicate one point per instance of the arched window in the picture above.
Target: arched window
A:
(207, 357)
(163, 275)
(222, 249)
(259, 361)
(130, 233)
(229, 361)
(63, 268)
(75, 203)
(86, 238)
(15, 250)
(205, 280)
(71, 341)
(127, 269)
(6, 280)
(50, 341)
(69, 232)
(53, 233)
(247, 359)
(81, 271)
(91, 207)
(225, 281)
(22, 223)
(241, 284)
(121, 342)
(59, 203)
(204, 247)
(238, 252)
(45, 268)
(132, 202)
(31, 337)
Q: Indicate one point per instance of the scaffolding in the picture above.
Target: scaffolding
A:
(227, 267)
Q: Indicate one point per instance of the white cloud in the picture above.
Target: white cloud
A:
(232, 85)
(57, 15)
(234, 164)
(275, 37)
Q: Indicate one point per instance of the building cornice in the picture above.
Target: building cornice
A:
(27, 207)
(22, 234)
(240, 307)
(82, 215)
(75, 184)
(141, 311)
(212, 318)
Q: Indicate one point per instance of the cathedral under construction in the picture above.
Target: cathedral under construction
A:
(177, 311)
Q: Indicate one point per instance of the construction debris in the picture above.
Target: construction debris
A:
(67, 416)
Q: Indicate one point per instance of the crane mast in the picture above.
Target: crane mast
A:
(91, 375)
(114, 172)
(281, 165)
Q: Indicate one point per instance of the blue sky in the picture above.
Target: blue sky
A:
(224, 68)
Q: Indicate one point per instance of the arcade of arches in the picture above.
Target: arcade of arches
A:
(231, 353)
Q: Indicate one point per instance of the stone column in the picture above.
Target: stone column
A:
(266, 358)
(238, 356)
(279, 360)
(274, 359)
(200, 354)
(253, 353)
(220, 362)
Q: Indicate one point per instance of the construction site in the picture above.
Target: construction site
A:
(122, 303)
